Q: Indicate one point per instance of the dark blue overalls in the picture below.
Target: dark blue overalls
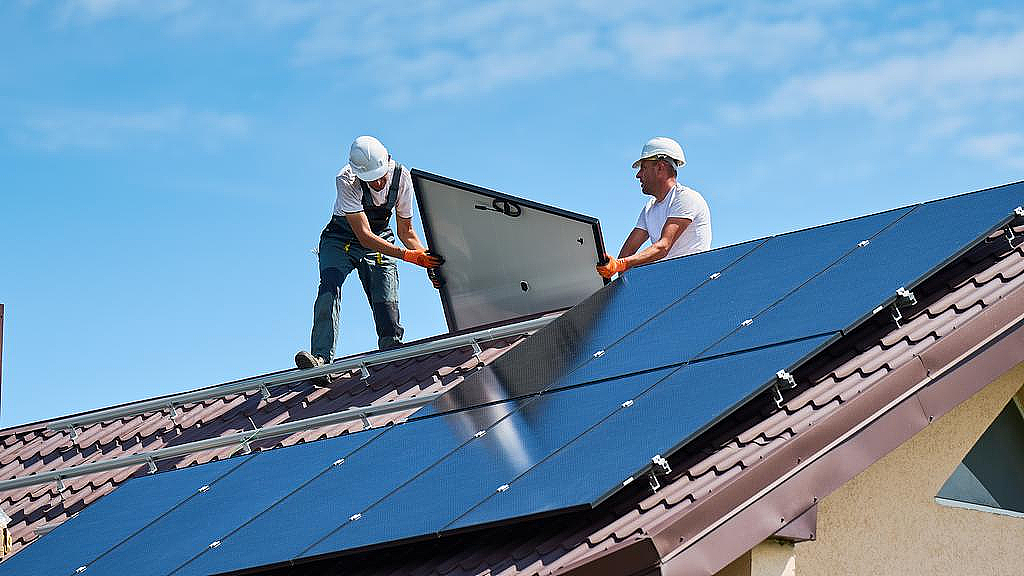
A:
(340, 253)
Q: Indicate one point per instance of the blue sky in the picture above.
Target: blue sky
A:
(169, 165)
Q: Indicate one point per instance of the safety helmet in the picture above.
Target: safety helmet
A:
(368, 158)
(661, 146)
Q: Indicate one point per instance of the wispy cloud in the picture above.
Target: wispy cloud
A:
(970, 69)
(1003, 147)
(100, 130)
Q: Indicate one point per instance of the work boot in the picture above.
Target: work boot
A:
(306, 360)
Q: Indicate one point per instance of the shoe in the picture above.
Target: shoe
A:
(305, 360)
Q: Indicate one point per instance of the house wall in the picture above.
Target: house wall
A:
(886, 521)
(769, 558)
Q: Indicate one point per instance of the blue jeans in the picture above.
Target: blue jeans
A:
(378, 274)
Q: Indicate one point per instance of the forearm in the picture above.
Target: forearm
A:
(410, 239)
(652, 253)
(375, 243)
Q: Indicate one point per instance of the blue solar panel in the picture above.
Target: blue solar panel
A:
(399, 454)
(237, 496)
(562, 346)
(474, 471)
(112, 519)
(899, 256)
(711, 312)
(589, 469)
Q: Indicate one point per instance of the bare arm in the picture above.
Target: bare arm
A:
(656, 251)
(361, 227)
(407, 234)
(633, 242)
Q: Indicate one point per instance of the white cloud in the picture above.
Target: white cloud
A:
(101, 130)
(1005, 148)
(969, 70)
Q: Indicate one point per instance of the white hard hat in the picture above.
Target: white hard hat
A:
(368, 158)
(661, 146)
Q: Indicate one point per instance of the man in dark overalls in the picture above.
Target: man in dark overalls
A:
(370, 188)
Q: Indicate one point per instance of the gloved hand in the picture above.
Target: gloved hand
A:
(613, 267)
(435, 277)
(423, 258)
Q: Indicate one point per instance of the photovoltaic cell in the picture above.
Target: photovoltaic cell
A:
(112, 519)
(678, 408)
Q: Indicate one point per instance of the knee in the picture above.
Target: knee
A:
(330, 281)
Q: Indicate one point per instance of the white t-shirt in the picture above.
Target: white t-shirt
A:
(681, 202)
(350, 193)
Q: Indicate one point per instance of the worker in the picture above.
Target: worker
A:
(675, 219)
(358, 237)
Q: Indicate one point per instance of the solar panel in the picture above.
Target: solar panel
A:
(659, 421)
(397, 455)
(251, 487)
(477, 469)
(113, 518)
(714, 310)
(899, 256)
(505, 257)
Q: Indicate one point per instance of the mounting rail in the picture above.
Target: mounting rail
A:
(264, 382)
(242, 439)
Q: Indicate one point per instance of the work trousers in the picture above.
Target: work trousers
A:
(339, 255)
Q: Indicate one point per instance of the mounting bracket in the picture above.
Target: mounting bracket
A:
(783, 381)
(904, 299)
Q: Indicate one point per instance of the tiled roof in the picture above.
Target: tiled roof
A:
(948, 301)
(33, 448)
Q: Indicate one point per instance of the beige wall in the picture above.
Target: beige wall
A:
(885, 521)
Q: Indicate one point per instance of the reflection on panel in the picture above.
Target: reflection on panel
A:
(505, 257)
(658, 421)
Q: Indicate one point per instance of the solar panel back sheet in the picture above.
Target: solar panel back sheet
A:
(505, 257)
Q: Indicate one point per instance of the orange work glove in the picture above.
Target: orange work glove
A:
(423, 258)
(613, 267)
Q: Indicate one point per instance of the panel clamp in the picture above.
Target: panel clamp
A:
(659, 467)
(1010, 236)
(783, 381)
(904, 299)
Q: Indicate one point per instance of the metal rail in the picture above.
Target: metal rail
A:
(242, 439)
(264, 382)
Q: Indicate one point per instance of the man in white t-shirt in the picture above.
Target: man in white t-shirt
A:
(371, 187)
(676, 219)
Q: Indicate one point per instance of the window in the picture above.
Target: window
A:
(991, 476)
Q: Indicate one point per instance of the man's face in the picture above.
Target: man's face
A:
(649, 175)
(378, 184)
